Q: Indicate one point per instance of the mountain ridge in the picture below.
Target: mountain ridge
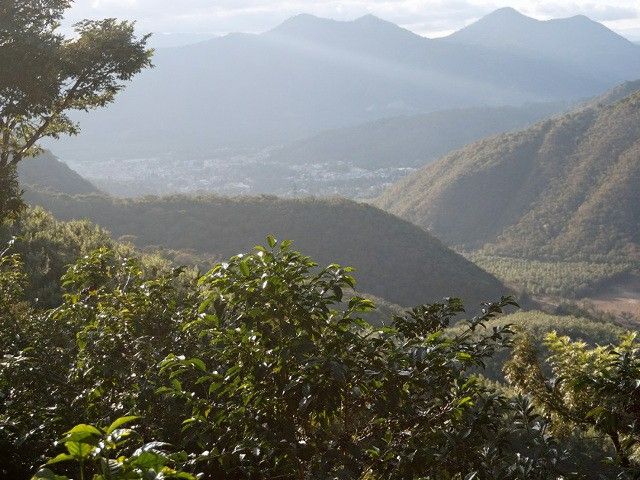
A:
(312, 81)
(564, 188)
(411, 141)
(578, 41)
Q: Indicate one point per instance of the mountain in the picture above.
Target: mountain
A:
(308, 75)
(579, 42)
(411, 141)
(46, 171)
(394, 259)
(568, 186)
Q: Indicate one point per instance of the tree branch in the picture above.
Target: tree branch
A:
(37, 135)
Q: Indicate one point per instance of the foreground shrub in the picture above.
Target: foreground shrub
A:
(100, 454)
(263, 368)
(592, 389)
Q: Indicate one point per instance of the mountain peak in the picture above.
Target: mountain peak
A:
(506, 12)
(581, 18)
(505, 16)
(363, 30)
(297, 22)
(307, 23)
(371, 19)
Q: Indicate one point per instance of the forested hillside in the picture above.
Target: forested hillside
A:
(412, 141)
(566, 187)
(46, 171)
(395, 259)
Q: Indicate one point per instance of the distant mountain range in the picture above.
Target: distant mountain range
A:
(567, 187)
(312, 74)
(586, 46)
(394, 259)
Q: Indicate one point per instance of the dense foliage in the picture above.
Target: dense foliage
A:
(536, 325)
(261, 368)
(97, 450)
(395, 260)
(594, 389)
(257, 372)
(47, 247)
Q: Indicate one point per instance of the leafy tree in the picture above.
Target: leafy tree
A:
(289, 385)
(589, 388)
(43, 76)
(261, 370)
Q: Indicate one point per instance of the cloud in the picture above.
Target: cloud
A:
(423, 16)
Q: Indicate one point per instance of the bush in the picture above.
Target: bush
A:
(262, 368)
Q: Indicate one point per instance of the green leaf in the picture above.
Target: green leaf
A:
(150, 460)
(464, 356)
(79, 450)
(63, 457)
(199, 364)
(81, 432)
(83, 428)
(271, 241)
(244, 268)
(121, 421)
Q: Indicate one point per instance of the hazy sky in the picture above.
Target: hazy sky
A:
(426, 17)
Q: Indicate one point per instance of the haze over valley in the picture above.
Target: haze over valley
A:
(337, 82)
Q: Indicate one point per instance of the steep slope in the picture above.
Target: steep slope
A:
(412, 141)
(394, 259)
(308, 75)
(46, 171)
(585, 45)
(569, 186)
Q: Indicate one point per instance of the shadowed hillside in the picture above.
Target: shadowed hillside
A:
(394, 259)
(568, 186)
(46, 171)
